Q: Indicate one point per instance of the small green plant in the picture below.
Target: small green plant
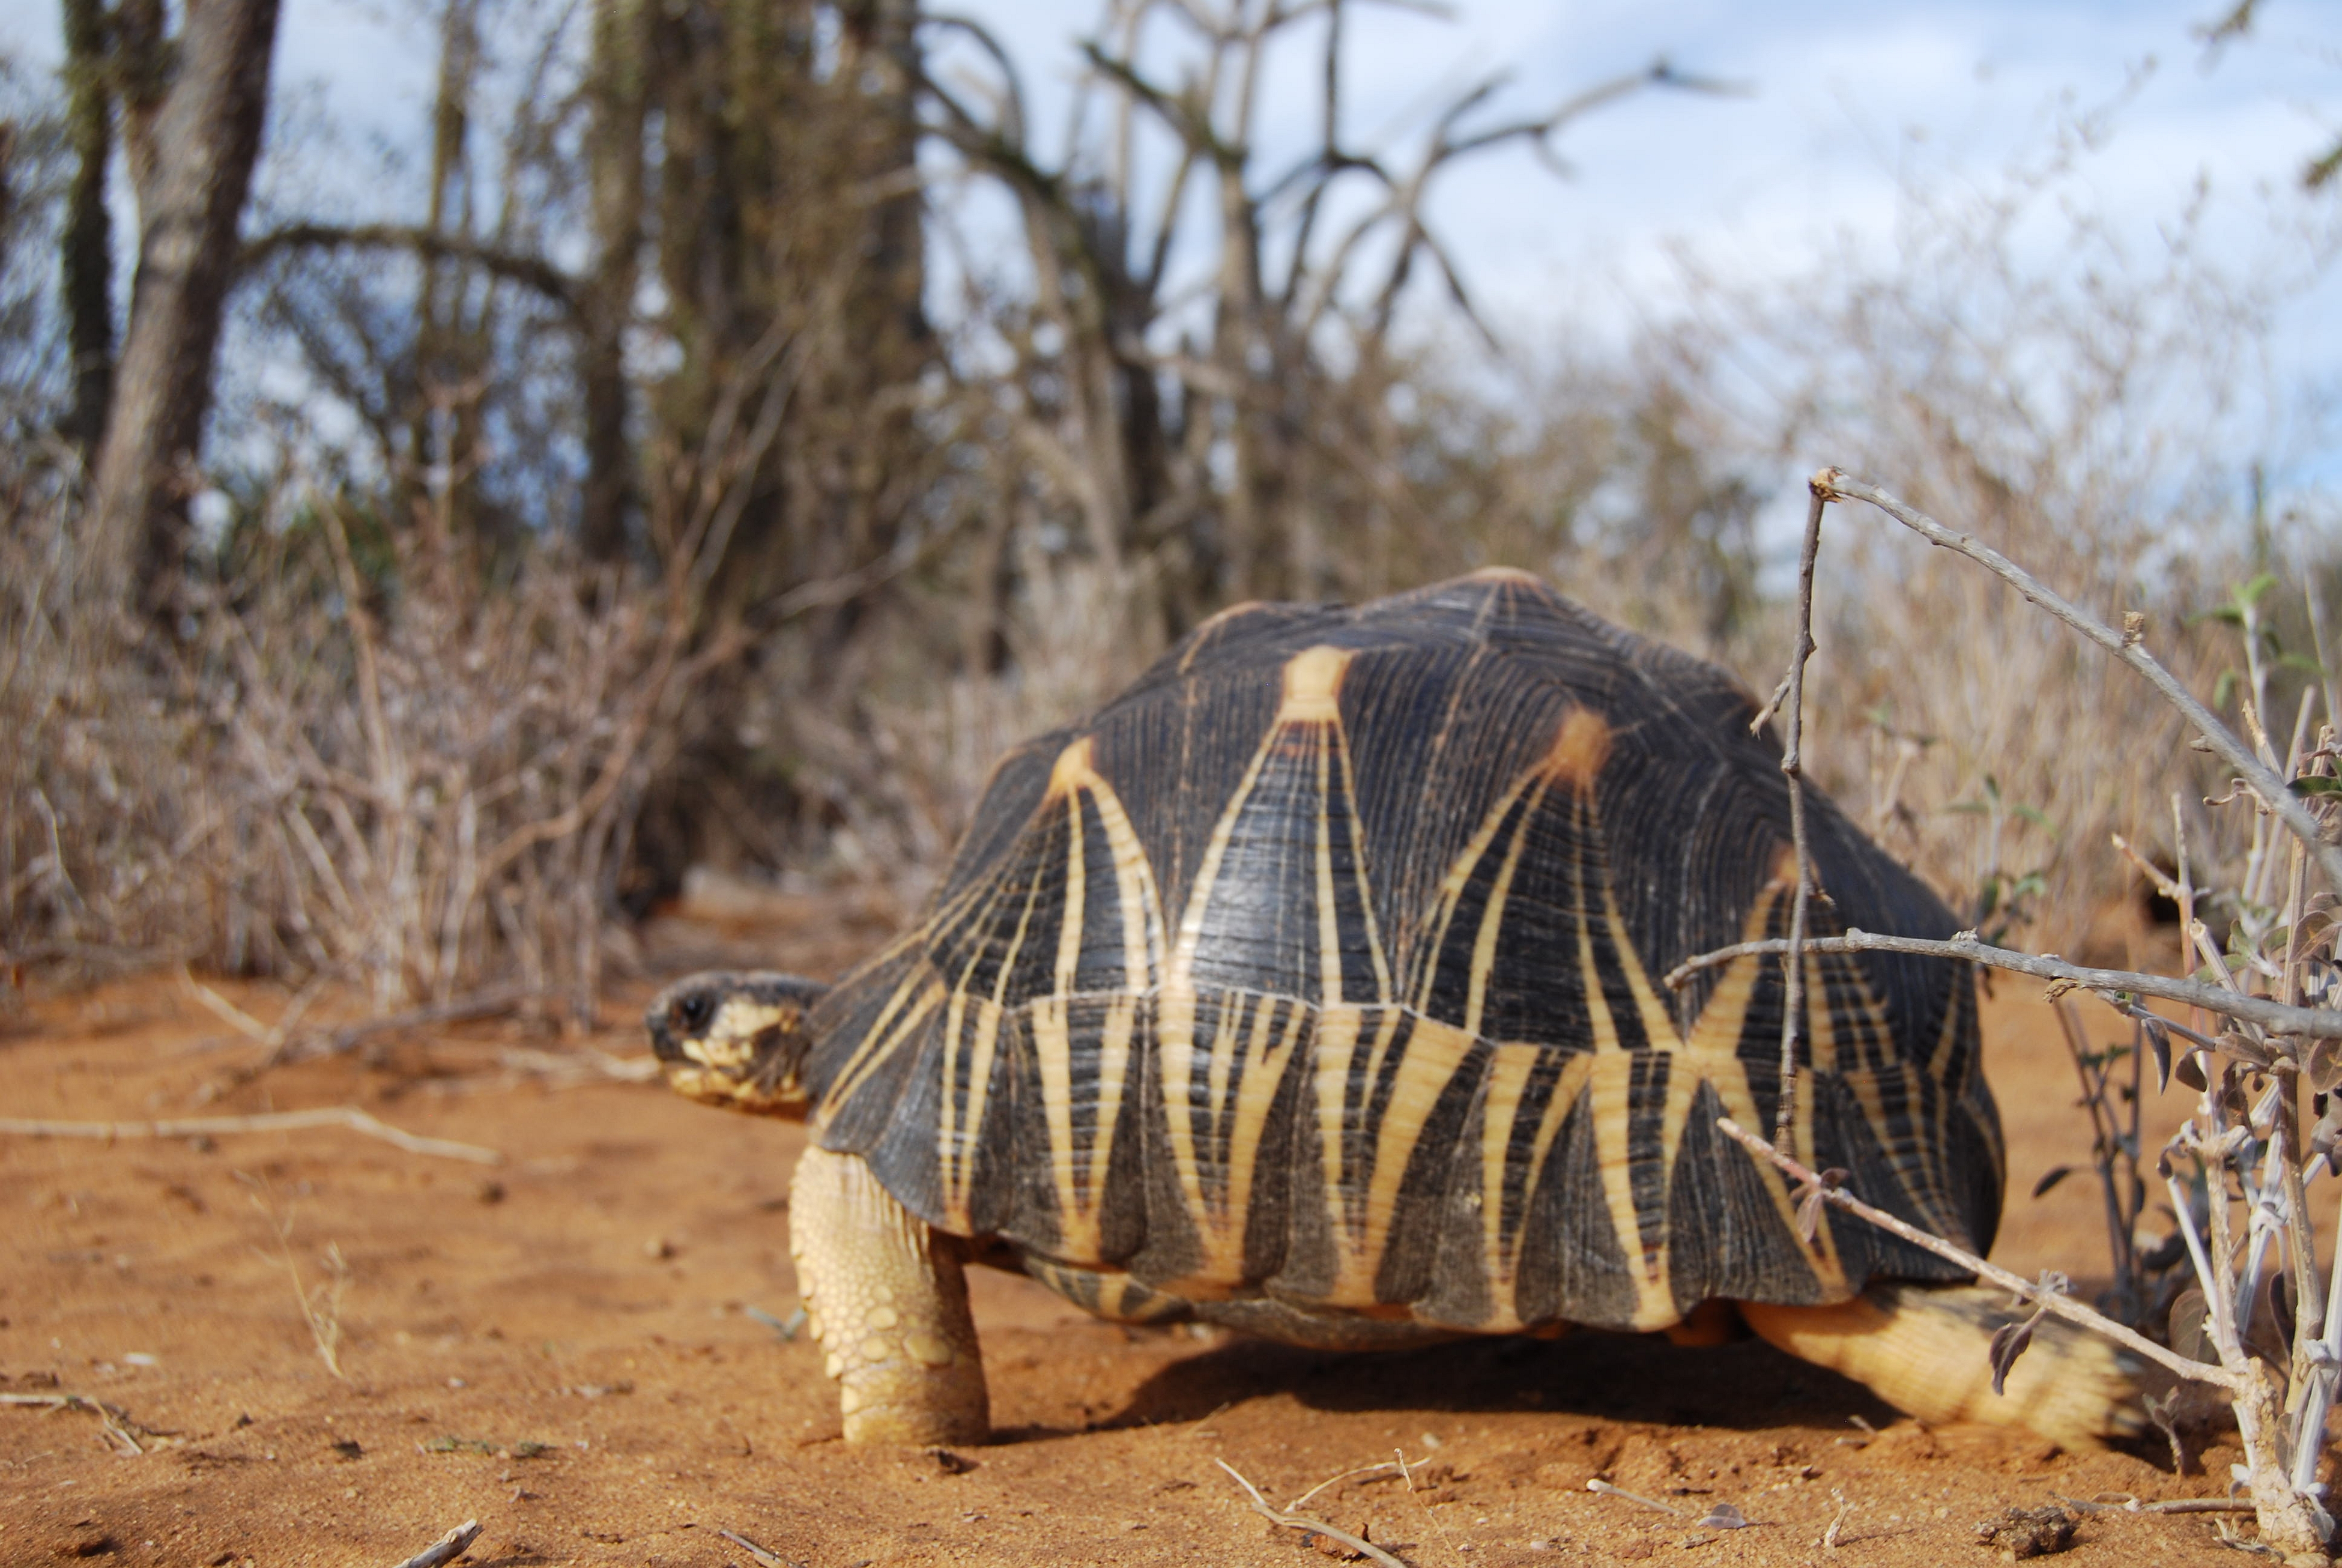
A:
(2004, 899)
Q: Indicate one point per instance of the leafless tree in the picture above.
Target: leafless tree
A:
(205, 140)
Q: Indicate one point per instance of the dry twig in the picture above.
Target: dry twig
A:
(448, 1548)
(348, 1117)
(764, 1559)
(492, 1003)
(2275, 1016)
(120, 1433)
(2126, 645)
(1291, 1520)
(1793, 957)
(1606, 1490)
(2058, 1304)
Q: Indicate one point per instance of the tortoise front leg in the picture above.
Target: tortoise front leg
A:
(1924, 1349)
(886, 1297)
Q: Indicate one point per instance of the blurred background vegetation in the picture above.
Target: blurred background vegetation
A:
(762, 424)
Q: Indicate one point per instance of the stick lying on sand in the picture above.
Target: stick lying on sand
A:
(348, 1117)
(448, 1548)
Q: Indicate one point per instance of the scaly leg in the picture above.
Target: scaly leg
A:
(1924, 1349)
(886, 1297)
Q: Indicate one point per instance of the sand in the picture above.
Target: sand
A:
(576, 1347)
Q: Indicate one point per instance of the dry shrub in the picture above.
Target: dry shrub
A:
(2096, 409)
(405, 775)
(98, 770)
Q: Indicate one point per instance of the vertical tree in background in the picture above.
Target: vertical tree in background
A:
(616, 94)
(87, 242)
(788, 251)
(192, 192)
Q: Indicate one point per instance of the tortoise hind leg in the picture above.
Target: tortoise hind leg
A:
(886, 1296)
(1924, 1349)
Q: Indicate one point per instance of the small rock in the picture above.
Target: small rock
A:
(2028, 1531)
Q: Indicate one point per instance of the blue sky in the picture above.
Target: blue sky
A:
(1849, 106)
(1845, 95)
(1846, 100)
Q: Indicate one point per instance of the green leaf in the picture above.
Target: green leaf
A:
(2036, 817)
(2314, 783)
(2222, 688)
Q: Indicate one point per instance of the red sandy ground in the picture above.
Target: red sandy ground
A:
(565, 1347)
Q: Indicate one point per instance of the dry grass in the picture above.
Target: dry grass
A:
(417, 779)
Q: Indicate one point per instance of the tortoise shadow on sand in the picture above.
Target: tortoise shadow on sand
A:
(1748, 1385)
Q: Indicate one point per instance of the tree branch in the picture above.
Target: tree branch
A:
(2123, 646)
(2057, 1304)
(530, 272)
(2274, 1016)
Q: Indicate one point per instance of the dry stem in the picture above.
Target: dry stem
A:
(2126, 646)
(2274, 1016)
(448, 1548)
(1292, 1520)
(1793, 958)
(2057, 1304)
(764, 1559)
(349, 1117)
(120, 1433)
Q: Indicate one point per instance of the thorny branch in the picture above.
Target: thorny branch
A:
(1793, 957)
(2275, 1016)
(2125, 646)
(2056, 1304)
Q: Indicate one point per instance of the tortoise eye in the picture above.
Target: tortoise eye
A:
(693, 1012)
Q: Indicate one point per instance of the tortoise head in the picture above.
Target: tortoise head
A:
(736, 1039)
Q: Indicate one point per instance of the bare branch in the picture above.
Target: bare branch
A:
(532, 272)
(2275, 1016)
(1793, 958)
(1290, 1521)
(2057, 1303)
(349, 1117)
(2123, 646)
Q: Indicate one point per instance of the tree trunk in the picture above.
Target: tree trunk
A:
(88, 240)
(617, 96)
(206, 139)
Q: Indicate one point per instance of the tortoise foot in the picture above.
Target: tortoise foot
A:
(886, 1297)
(1924, 1349)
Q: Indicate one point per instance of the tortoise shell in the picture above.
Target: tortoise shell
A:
(1322, 967)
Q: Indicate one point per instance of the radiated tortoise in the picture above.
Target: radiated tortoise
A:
(1312, 987)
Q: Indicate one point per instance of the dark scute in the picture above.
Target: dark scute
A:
(1725, 1236)
(999, 939)
(1018, 781)
(1275, 1193)
(1570, 1264)
(1843, 1138)
(846, 1015)
(1459, 1291)
(1424, 1208)
(891, 1119)
(1646, 1169)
